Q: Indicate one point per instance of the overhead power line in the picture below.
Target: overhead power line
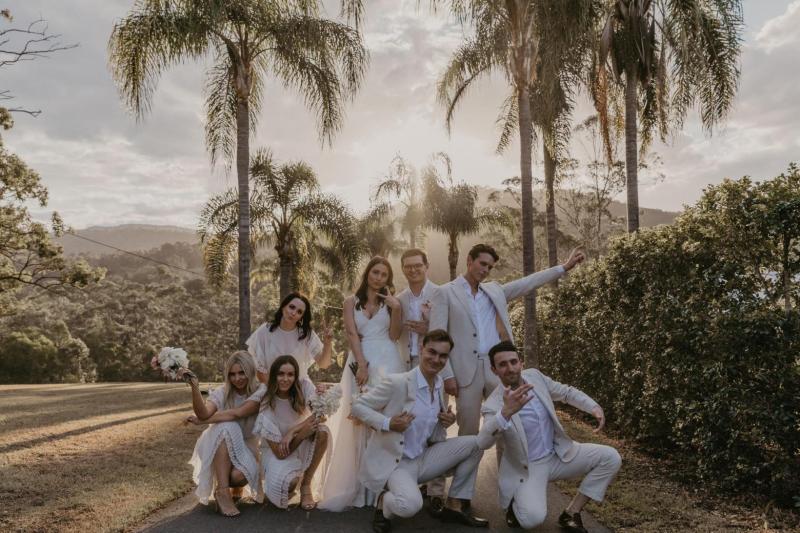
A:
(140, 256)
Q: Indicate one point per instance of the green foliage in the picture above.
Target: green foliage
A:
(679, 333)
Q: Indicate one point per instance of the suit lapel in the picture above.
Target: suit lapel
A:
(520, 429)
(541, 392)
(500, 305)
(411, 391)
(458, 290)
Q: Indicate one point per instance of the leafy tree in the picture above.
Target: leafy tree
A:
(249, 39)
(403, 184)
(508, 39)
(289, 213)
(377, 231)
(670, 56)
(452, 208)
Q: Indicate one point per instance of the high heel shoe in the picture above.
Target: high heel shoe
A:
(226, 493)
(307, 498)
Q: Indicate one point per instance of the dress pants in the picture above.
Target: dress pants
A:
(599, 463)
(457, 456)
(470, 397)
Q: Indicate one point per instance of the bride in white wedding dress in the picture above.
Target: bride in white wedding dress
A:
(373, 321)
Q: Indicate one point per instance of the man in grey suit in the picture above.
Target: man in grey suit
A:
(410, 446)
(520, 413)
(475, 314)
(416, 301)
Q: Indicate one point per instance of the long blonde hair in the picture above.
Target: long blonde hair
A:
(245, 360)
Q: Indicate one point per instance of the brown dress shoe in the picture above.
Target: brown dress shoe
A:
(571, 522)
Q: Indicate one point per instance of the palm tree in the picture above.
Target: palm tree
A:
(376, 230)
(248, 39)
(508, 39)
(678, 54)
(452, 208)
(403, 184)
(289, 213)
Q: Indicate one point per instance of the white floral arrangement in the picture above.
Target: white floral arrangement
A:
(327, 403)
(172, 362)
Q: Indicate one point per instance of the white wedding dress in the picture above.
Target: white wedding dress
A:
(341, 488)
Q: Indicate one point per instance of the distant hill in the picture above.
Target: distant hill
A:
(131, 237)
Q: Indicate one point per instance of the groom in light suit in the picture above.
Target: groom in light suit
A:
(410, 444)
(475, 314)
(520, 413)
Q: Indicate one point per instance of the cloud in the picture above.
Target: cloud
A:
(780, 31)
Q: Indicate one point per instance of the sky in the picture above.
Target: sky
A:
(102, 166)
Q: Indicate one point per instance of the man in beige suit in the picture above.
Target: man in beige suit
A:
(416, 301)
(475, 314)
(409, 445)
(520, 413)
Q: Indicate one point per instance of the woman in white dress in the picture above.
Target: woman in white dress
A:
(293, 440)
(226, 454)
(290, 333)
(373, 321)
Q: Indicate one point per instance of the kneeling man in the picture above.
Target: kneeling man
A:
(537, 450)
(410, 444)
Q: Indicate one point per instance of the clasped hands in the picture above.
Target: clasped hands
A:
(306, 429)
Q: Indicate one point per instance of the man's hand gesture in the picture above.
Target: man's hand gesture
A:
(597, 412)
(400, 423)
(575, 257)
(514, 400)
(447, 418)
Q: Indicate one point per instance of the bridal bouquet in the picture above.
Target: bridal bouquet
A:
(173, 363)
(327, 403)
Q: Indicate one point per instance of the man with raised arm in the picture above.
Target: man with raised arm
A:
(520, 413)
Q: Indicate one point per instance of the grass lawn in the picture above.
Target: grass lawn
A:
(644, 498)
(97, 457)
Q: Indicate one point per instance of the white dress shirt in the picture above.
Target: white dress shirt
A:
(483, 314)
(415, 313)
(537, 425)
(426, 416)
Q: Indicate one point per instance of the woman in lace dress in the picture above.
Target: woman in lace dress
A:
(226, 454)
(293, 441)
(373, 321)
(290, 333)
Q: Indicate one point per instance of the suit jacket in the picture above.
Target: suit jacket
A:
(428, 293)
(451, 312)
(395, 394)
(513, 468)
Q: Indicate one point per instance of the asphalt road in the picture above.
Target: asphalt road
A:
(262, 518)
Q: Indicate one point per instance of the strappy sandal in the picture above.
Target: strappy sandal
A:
(305, 492)
(226, 492)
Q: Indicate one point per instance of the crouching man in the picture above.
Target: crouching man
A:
(537, 450)
(410, 444)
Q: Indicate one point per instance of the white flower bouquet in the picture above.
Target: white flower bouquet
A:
(173, 363)
(324, 405)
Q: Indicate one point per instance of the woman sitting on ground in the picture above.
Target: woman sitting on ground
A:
(293, 440)
(290, 333)
(226, 454)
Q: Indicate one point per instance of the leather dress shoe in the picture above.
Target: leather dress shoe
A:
(461, 517)
(571, 522)
(380, 524)
(435, 506)
(511, 518)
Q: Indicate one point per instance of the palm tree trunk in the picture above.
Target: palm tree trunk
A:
(631, 146)
(452, 255)
(243, 175)
(286, 271)
(552, 221)
(526, 177)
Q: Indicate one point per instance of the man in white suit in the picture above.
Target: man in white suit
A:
(416, 301)
(520, 413)
(409, 445)
(475, 314)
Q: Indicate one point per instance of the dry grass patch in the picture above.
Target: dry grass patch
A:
(91, 457)
(646, 498)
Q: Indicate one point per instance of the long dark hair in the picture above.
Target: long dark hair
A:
(296, 396)
(304, 324)
(361, 293)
